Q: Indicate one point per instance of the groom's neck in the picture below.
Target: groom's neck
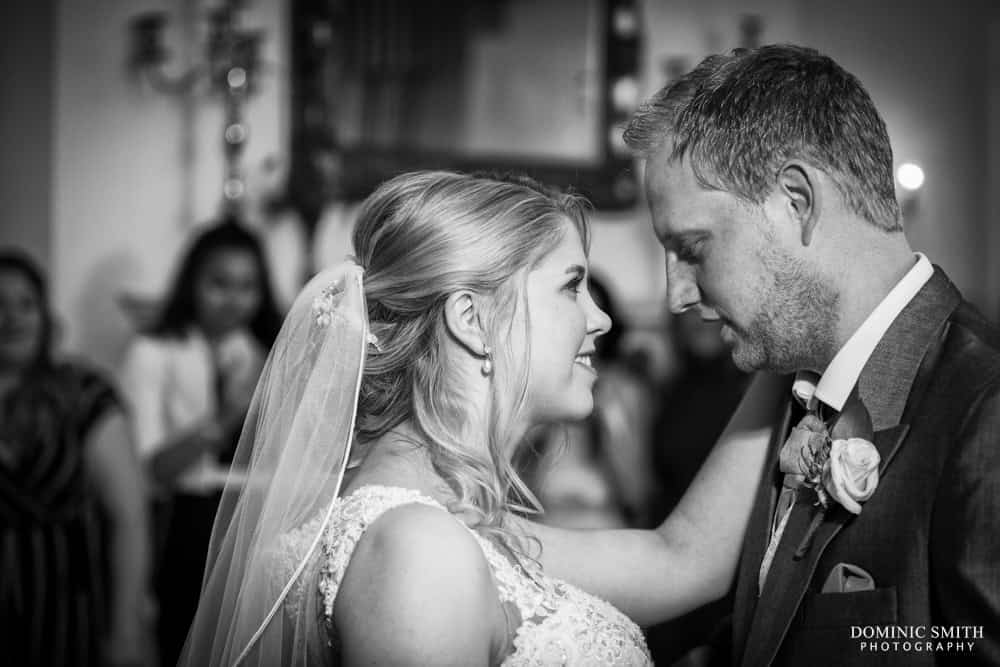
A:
(871, 265)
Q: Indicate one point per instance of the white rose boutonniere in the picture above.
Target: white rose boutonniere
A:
(851, 473)
(839, 464)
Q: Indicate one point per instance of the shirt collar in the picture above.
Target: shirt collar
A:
(839, 378)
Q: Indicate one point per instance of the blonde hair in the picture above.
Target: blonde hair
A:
(421, 237)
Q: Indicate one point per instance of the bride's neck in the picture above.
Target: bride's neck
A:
(399, 458)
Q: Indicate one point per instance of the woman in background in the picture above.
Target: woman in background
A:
(189, 380)
(73, 534)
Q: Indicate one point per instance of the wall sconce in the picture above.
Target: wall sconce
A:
(621, 66)
(910, 177)
(230, 67)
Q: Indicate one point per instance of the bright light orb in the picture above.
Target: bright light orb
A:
(625, 94)
(236, 77)
(236, 133)
(233, 188)
(910, 176)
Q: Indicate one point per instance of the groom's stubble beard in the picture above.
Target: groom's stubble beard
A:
(794, 328)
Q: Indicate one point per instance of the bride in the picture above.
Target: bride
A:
(381, 521)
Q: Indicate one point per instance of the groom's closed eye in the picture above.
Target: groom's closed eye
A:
(690, 250)
(689, 246)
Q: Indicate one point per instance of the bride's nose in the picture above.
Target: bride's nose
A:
(598, 322)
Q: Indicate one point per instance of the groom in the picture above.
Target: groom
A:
(769, 179)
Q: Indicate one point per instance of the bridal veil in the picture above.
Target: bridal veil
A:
(256, 607)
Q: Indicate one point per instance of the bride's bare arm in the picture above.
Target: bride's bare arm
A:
(418, 591)
(655, 575)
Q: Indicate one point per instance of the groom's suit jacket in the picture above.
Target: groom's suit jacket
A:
(929, 537)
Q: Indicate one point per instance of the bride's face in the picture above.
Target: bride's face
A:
(563, 321)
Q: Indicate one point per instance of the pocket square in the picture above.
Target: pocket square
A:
(848, 578)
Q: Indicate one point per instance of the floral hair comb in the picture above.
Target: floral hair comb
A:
(326, 306)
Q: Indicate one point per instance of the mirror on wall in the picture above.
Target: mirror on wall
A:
(541, 86)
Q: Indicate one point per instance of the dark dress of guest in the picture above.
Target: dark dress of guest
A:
(73, 533)
(189, 380)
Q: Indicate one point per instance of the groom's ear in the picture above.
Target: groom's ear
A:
(462, 316)
(798, 182)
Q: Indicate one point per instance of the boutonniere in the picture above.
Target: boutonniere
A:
(839, 464)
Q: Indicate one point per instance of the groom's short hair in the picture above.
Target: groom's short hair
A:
(738, 117)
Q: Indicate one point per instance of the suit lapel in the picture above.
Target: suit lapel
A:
(887, 379)
(887, 442)
(891, 385)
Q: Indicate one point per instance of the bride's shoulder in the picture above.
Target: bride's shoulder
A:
(415, 540)
(417, 580)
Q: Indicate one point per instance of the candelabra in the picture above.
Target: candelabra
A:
(230, 68)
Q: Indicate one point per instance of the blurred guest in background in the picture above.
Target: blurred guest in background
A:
(694, 407)
(189, 380)
(597, 473)
(73, 534)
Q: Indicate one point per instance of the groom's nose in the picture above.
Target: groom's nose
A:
(682, 288)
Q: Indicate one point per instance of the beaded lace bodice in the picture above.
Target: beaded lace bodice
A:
(560, 624)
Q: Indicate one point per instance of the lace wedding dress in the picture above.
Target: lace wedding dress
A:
(561, 624)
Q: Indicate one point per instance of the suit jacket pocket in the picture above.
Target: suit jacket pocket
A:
(821, 633)
(871, 607)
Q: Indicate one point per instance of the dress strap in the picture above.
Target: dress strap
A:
(351, 518)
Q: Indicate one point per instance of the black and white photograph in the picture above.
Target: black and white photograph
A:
(500, 332)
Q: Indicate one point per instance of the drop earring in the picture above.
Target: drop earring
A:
(487, 367)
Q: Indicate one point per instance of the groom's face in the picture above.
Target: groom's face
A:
(724, 258)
